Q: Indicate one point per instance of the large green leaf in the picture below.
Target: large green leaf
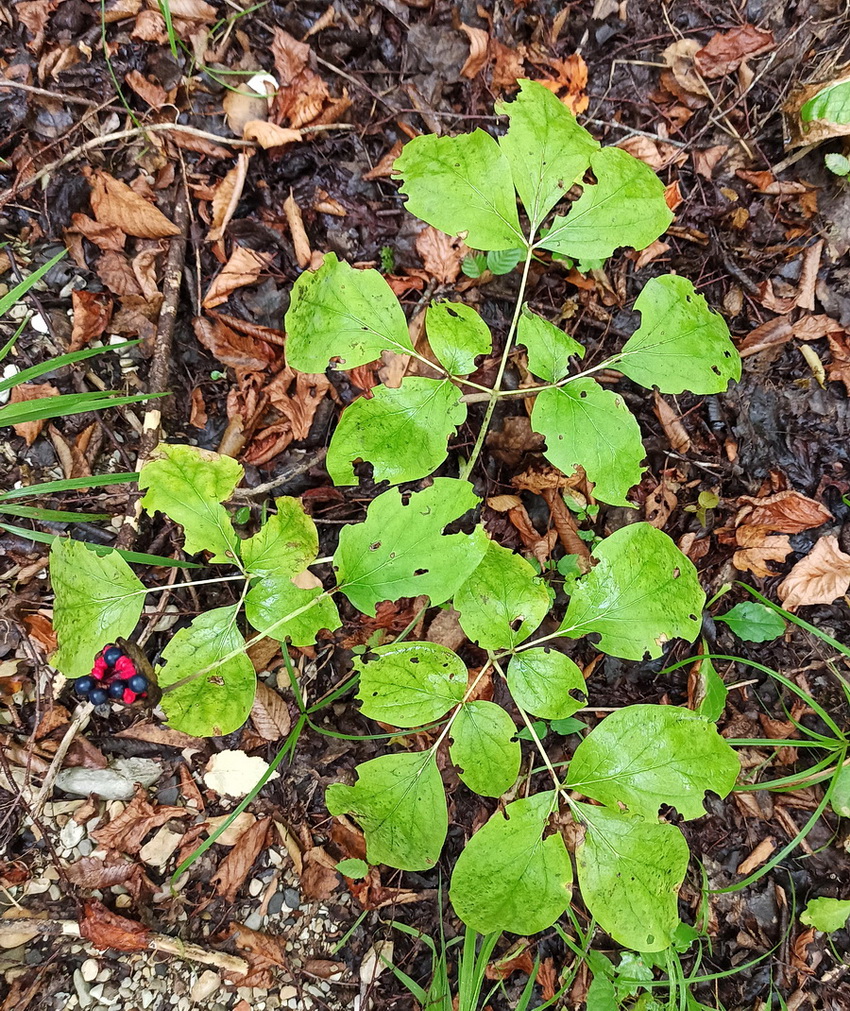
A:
(646, 756)
(630, 871)
(457, 335)
(626, 207)
(509, 877)
(340, 312)
(400, 803)
(680, 344)
(408, 684)
(188, 484)
(215, 703)
(402, 432)
(286, 543)
(503, 600)
(273, 597)
(484, 748)
(97, 599)
(546, 683)
(462, 186)
(641, 593)
(400, 549)
(548, 151)
(549, 348)
(831, 103)
(585, 425)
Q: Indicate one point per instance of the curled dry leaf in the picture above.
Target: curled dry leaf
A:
(106, 929)
(155, 95)
(269, 135)
(570, 82)
(838, 368)
(92, 313)
(227, 196)
(384, 168)
(679, 57)
(672, 424)
(479, 51)
(302, 97)
(303, 253)
(29, 431)
(818, 130)
(757, 547)
(115, 203)
(442, 255)
(239, 351)
(236, 866)
(785, 512)
(820, 578)
(726, 51)
(243, 268)
(103, 236)
(270, 714)
(127, 831)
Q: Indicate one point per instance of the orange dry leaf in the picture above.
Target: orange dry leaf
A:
(786, 512)
(126, 832)
(239, 351)
(227, 196)
(507, 65)
(103, 236)
(155, 95)
(243, 268)
(478, 51)
(672, 424)
(270, 714)
(29, 431)
(114, 203)
(757, 547)
(302, 97)
(303, 253)
(198, 417)
(269, 135)
(820, 578)
(105, 929)
(838, 368)
(442, 255)
(572, 80)
(236, 866)
(726, 51)
(92, 313)
(384, 168)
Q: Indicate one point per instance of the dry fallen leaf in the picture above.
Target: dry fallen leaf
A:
(442, 255)
(672, 424)
(92, 313)
(820, 578)
(243, 268)
(227, 196)
(270, 713)
(815, 131)
(269, 135)
(726, 51)
(384, 168)
(126, 832)
(478, 51)
(105, 929)
(236, 866)
(239, 351)
(757, 547)
(784, 512)
(29, 431)
(838, 368)
(115, 203)
(303, 253)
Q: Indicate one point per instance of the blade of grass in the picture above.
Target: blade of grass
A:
(788, 616)
(69, 484)
(10, 343)
(51, 515)
(66, 405)
(129, 556)
(17, 293)
(52, 364)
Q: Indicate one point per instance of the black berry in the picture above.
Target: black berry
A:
(82, 686)
(138, 683)
(112, 655)
(116, 689)
(97, 696)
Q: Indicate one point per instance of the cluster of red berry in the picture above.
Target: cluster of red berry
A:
(114, 676)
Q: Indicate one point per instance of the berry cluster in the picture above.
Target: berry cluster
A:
(114, 676)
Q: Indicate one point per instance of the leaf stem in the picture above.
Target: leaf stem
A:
(460, 706)
(180, 586)
(532, 391)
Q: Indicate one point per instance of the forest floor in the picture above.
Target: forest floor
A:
(91, 94)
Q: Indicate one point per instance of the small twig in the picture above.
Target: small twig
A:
(79, 722)
(634, 130)
(296, 470)
(63, 99)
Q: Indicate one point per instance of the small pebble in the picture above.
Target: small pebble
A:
(72, 834)
(208, 983)
(287, 992)
(275, 903)
(254, 921)
(82, 988)
(84, 847)
(292, 898)
(255, 887)
(89, 970)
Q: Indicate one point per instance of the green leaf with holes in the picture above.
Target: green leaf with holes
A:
(400, 549)
(457, 335)
(402, 432)
(462, 186)
(400, 803)
(630, 872)
(641, 593)
(509, 877)
(277, 596)
(680, 344)
(188, 485)
(409, 684)
(218, 701)
(549, 348)
(546, 683)
(642, 757)
(484, 748)
(340, 312)
(547, 149)
(285, 544)
(503, 601)
(97, 599)
(625, 207)
(587, 426)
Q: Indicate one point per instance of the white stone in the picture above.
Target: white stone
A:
(72, 834)
(255, 887)
(89, 970)
(287, 992)
(208, 983)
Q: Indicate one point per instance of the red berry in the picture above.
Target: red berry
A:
(100, 669)
(124, 667)
(129, 697)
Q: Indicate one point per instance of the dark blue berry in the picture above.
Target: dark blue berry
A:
(82, 686)
(116, 689)
(138, 683)
(97, 696)
(112, 655)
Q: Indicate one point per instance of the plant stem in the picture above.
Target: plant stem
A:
(179, 586)
(460, 706)
(532, 391)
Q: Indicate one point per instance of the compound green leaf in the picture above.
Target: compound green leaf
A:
(509, 877)
(585, 425)
(97, 599)
(831, 104)
(753, 622)
(503, 601)
(827, 915)
(548, 151)
(400, 549)
(626, 207)
(457, 335)
(275, 596)
(680, 344)
(188, 485)
(646, 756)
(630, 872)
(485, 749)
(402, 432)
(400, 803)
(462, 186)
(219, 701)
(340, 312)
(549, 348)
(546, 683)
(408, 684)
(641, 593)
(286, 543)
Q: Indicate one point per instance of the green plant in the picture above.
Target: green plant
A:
(640, 592)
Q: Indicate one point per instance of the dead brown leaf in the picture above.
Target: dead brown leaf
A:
(127, 831)
(672, 424)
(516, 959)
(303, 253)
(815, 131)
(115, 203)
(270, 713)
(445, 629)
(29, 431)
(319, 877)
(269, 135)
(838, 367)
(820, 578)
(442, 255)
(103, 873)
(570, 82)
(106, 929)
(707, 159)
(231, 348)
(227, 196)
(71, 454)
(757, 547)
(243, 268)
(154, 94)
(236, 866)
(479, 51)
(198, 416)
(262, 951)
(302, 97)
(758, 856)
(726, 51)
(384, 167)
(655, 153)
(507, 65)
(92, 313)
(679, 57)
(103, 236)
(660, 503)
(785, 512)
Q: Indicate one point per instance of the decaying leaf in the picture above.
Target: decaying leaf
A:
(672, 424)
(478, 51)
(785, 512)
(128, 830)
(726, 51)
(239, 351)
(29, 431)
(820, 578)
(243, 268)
(115, 204)
(269, 135)
(442, 255)
(92, 313)
(270, 714)
(756, 547)
(236, 866)
(227, 196)
(106, 929)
